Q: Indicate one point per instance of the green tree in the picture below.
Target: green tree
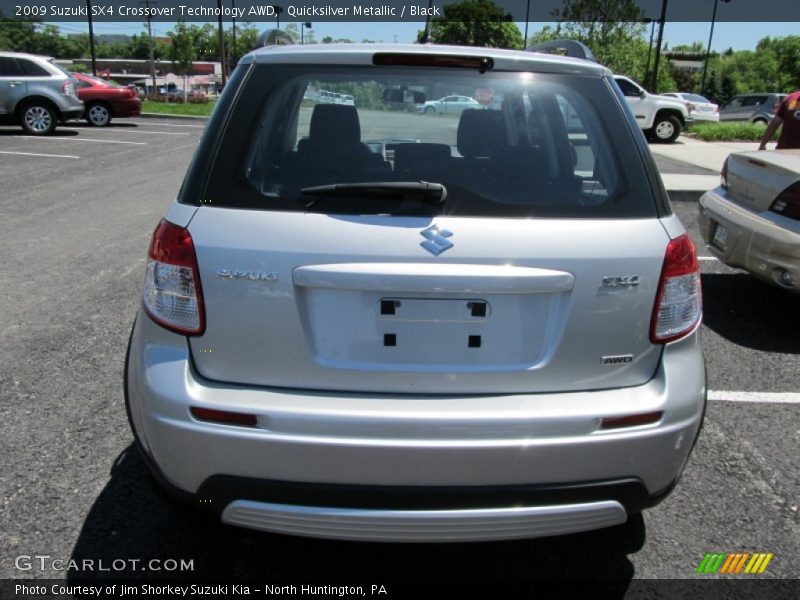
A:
(475, 23)
(181, 52)
(613, 30)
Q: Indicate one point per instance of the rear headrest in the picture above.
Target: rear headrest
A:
(415, 155)
(334, 124)
(482, 133)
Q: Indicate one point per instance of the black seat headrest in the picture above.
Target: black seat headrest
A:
(334, 124)
(482, 133)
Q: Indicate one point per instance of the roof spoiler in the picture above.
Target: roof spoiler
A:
(273, 37)
(571, 48)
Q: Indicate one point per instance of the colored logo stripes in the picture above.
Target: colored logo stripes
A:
(734, 562)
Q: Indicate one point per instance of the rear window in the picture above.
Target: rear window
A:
(536, 145)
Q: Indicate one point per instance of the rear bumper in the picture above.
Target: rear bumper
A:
(412, 456)
(131, 107)
(756, 242)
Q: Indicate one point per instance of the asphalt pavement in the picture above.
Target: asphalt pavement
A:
(76, 214)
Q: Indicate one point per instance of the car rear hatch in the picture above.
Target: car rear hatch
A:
(310, 301)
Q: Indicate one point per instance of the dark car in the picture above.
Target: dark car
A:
(104, 100)
(755, 108)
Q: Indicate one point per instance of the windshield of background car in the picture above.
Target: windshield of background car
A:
(537, 145)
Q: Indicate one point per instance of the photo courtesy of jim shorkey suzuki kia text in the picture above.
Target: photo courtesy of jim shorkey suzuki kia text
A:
(251, 12)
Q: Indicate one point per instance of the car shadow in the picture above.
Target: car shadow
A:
(750, 313)
(113, 125)
(129, 521)
(61, 131)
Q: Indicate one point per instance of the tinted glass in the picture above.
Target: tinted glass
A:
(556, 145)
(627, 87)
(31, 69)
(8, 67)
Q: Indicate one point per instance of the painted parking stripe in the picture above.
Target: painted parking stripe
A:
(148, 123)
(766, 397)
(83, 139)
(121, 130)
(707, 258)
(35, 154)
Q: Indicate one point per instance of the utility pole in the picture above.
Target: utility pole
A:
(303, 27)
(91, 37)
(708, 50)
(426, 37)
(221, 43)
(278, 10)
(650, 46)
(663, 22)
(150, 46)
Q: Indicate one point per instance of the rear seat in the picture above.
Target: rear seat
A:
(428, 162)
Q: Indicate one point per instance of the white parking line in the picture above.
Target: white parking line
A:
(168, 125)
(34, 154)
(83, 139)
(767, 397)
(119, 129)
(707, 258)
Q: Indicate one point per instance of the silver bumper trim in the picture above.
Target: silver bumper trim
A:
(424, 525)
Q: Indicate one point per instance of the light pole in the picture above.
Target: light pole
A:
(708, 50)
(278, 10)
(527, 17)
(426, 37)
(154, 89)
(91, 37)
(233, 18)
(662, 21)
(221, 43)
(303, 27)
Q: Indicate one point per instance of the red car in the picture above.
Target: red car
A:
(104, 100)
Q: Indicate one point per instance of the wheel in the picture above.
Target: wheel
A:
(666, 129)
(38, 118)
(98, 114)
(429, 110)
(760, 122)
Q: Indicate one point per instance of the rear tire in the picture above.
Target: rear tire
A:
(98, 114)
(430, 110)
(38, 118)
(666, 129)
(760, 122)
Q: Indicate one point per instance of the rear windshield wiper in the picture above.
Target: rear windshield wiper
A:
(423, 191)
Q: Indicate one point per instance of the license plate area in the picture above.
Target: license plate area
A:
(720, 237)
(365, 330)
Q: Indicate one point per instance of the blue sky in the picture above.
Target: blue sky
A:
(739, 36)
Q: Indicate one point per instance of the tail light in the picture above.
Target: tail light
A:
(788, 202)
(67, 88)
(679, 303)
(172, 294)
(723, 174)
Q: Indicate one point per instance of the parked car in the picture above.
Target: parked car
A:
(700, 108)
(492, 334)
(752, 220)
(36, 93)
(755, 108)
(660, 117)
(449, 105)
(105, 100)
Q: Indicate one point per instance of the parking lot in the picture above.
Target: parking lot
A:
(76, 213)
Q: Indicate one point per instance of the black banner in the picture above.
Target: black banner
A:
(378, 10)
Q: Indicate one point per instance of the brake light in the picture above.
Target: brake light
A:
(678, 305)
(788, 202)
(67, 88)
(723, 174)
(172, 295)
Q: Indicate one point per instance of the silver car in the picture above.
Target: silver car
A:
(758, 109)
(36, 93)
(489, 333)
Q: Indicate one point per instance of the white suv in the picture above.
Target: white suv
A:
(662, 118)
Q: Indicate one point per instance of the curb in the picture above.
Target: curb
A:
(176, 117)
